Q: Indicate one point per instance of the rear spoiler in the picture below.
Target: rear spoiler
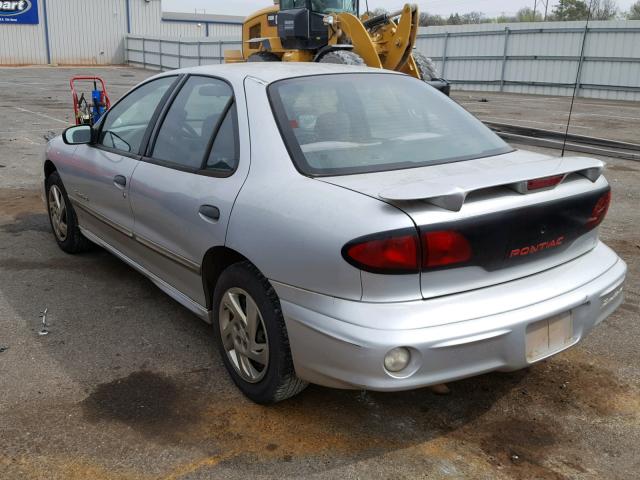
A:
(452, 194)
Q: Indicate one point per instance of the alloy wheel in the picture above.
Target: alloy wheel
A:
(244, 335)
(58, 213)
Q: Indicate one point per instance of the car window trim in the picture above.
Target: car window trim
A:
(216, 131)
(210, 172)
(147, 156)
(138, 155)
(167, 97)
(161, 115)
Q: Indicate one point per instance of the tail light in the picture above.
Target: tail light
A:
(402, 252)
(599, 210)
(393, 252)
(444, 248)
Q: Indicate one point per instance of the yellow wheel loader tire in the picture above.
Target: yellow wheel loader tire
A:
(342, 57)
(427, 68)
(263, 57)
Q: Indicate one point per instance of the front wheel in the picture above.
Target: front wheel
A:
(263, 57)
(426, 67)
(62, 217)
(252, 336)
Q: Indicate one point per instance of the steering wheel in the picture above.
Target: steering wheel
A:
(189, 130)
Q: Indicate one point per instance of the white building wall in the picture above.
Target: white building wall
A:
(146, 19)
(93, 32)
(85, 32)
(225, 30)
(23, 44)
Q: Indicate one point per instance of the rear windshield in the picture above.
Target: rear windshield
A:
(359, 123)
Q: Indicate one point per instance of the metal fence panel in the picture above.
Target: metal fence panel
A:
(161, 53)
(535, 58)
(539, 58)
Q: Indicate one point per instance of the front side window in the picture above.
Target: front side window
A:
(360, 123)
(334, 6)
(126, 123)
(198, 113)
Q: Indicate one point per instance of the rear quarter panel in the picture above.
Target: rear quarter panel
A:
(293, 227)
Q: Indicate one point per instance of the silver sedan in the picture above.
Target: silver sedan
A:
(339, 225)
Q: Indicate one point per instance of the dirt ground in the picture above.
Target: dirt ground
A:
(128, 384)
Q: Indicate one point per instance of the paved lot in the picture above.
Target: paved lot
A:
(129, 386)
(591, 117)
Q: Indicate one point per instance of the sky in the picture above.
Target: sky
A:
(490, 8)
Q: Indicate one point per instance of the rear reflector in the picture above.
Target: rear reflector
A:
(544, 183)
(599, 210)
(444, 248)
(395, 253)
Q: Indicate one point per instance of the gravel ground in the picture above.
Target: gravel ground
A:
(128, 385)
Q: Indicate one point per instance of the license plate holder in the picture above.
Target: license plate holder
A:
(549, 336)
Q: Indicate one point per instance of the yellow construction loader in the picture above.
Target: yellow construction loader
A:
(331, 31)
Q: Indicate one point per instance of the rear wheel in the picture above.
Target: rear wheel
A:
(252, 336)
(342, 57)
(426, 67)
(263, 57)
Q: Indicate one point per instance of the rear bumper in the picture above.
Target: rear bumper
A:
(340, 343)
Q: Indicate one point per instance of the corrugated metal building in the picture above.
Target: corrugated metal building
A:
(93, 31)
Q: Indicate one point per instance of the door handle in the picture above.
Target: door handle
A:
(120, 181)
(209, 213)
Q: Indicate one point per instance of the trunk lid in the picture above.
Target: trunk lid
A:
(515, 228)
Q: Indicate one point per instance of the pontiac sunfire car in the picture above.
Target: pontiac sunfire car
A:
(339, 225)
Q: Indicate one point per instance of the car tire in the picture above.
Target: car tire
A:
(263, 57)
(245, 287)
(426, 67)
(342, 57)
(63, 218)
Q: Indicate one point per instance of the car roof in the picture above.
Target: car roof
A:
(269, 72)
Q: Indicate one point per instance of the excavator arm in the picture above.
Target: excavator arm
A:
(381, 41)
(298, 35)
(400, 38)
(349, 29)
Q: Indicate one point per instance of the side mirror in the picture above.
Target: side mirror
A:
(78, 135)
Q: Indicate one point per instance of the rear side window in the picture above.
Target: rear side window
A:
(359, 123)
(197, 114)
(126, 123)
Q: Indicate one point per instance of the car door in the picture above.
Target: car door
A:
(184, 189)
(99, 183)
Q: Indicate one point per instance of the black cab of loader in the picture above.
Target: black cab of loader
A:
(301, 22)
